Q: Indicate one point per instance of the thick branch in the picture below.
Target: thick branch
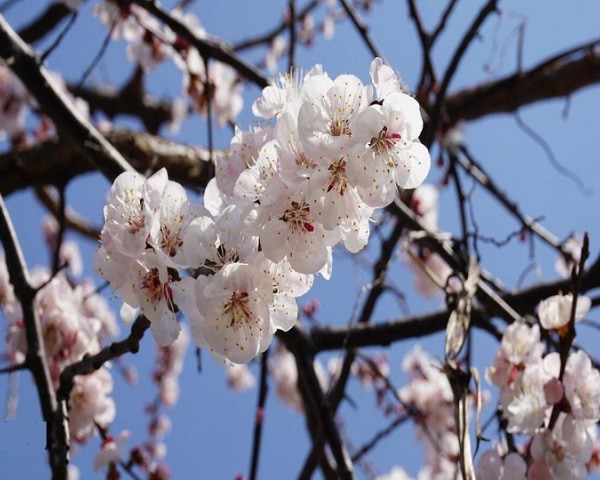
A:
(55, 163)
(554, 78)
(70, 123)
(42, 25)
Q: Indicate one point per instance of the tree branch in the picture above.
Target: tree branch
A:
(54, 162)
(91, 363)
(70, 123)
(553, 78)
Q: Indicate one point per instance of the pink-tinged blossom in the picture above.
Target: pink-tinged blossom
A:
(388, 154)
(14, 104)
(239, 377)
(283, 370)
(561, 454)
(520, 347)
(213, 242)
(236, 313)
(129, 212)
(292, 229)
(111, 450)
(243, 149)
(493, 466)
(169, 364)
(424, 202)
(255, 179)
(151, 283)
(427, 265)
(147, 50)
(582, 387)
(526, 413)
(123, 20)
(338, 205)
(555, 311)
(90, 405)
(284, 90)
(172, 220)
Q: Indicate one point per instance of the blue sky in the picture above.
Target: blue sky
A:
(212, 427)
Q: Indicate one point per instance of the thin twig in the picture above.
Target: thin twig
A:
(259, 416)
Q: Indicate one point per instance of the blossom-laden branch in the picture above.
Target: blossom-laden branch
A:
(71, 124)
(53, 411)
(207, 47)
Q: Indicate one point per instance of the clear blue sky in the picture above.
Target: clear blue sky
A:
(212, 427)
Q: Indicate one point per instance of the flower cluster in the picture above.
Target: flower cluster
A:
(555, 400)
(282, 198)
(150, 44)
(74, 322)
(430, 395)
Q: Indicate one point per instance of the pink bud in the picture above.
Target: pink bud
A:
(553, 391)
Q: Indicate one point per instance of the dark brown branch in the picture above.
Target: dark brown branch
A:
(436, 114)
(523, 301)
(91, 363)
(55, 163)
(129, 100)
(259, 416)
(296, 342)
(554, 78)
(42, 25)
(71, 124)
(362, 29)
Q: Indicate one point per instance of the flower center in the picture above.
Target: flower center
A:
(382, 143)
(155, 289)
(298, 217)
(337, 177)
(237, 307)
(171, 241)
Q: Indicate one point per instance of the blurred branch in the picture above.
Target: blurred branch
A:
(557, 77)
(70, 123)
(55, 163)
